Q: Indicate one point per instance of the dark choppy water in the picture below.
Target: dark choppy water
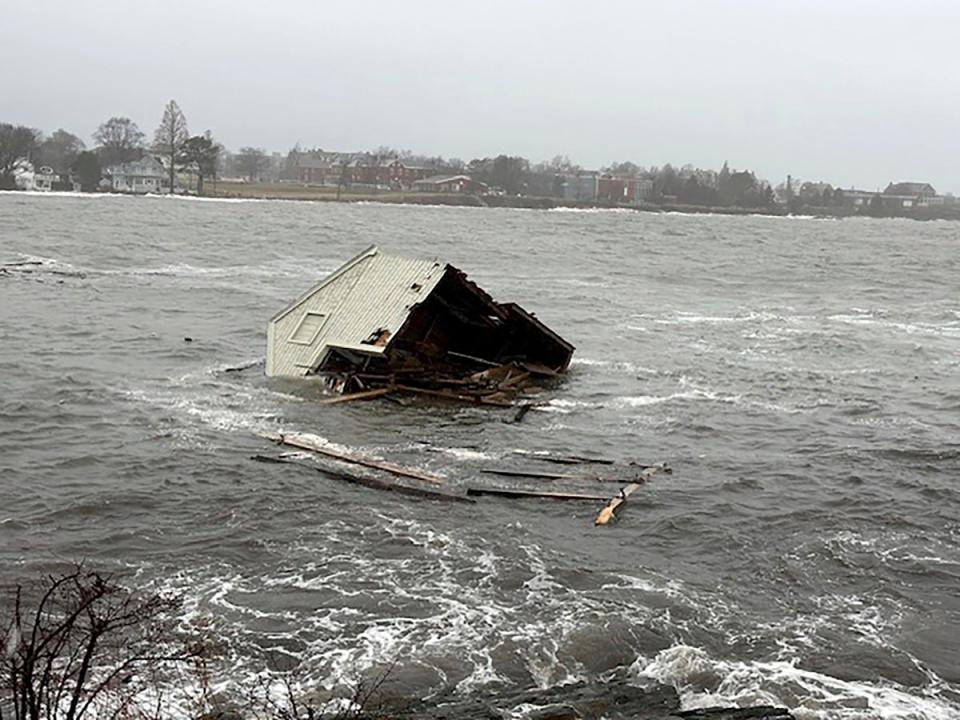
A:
(801, 376)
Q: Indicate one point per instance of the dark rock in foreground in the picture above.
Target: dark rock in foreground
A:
(577, 701)
(761, 712)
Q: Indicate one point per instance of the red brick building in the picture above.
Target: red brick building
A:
(450, 184)
(628, 190)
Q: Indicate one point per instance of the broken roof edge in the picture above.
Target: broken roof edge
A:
(544, 328)
(369, 252)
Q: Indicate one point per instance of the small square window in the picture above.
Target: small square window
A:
(307, 329)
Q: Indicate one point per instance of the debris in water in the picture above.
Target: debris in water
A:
(386, 325)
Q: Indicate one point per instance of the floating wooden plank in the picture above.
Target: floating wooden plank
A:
(565, 459)
(522, 493)
(363, 395)
(305, 441)
(449, 395)
(366, 480)
(521, 413)
(607, 514)
(529, 474)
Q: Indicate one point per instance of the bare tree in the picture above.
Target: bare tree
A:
(86, 647)
(16, 144)
(252, 162)
(58, 151)
(170, 137)
(344, 179)
(119, 140)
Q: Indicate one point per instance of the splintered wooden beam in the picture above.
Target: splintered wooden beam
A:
(367, 481)
(607, 514)
(364, 395)
(305, 441)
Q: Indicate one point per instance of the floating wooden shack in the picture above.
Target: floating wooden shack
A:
(384, 324)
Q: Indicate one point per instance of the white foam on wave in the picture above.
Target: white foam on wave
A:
(625, 366)
(468, 454)
(703, 681)
(464, 606)
(41, 263)
(454, 610)
(950, 330)
(635, 401)
(755, 316)
(227, 416)
(564, 406)
(591, 210)
(589, 362)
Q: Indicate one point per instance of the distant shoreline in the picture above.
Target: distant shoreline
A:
(289, 191)
(264, 192)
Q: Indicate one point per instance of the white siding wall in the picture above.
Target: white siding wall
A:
(285, 358)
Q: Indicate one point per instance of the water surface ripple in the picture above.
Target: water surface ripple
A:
(800, 375)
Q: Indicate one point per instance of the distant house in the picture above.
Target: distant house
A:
(313, 170)
(399, 175)
(24, 175)
(581, 185)
(140, 176)
(913, 189)
(44, 178)
(450, 184)
(628, 190)
(813, 193)
(320, 167)
(858, 198)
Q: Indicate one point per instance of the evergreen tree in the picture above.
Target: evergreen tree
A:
(169, 139)
(201, 154)
(87, 170)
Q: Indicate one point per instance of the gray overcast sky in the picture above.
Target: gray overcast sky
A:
(854, 92)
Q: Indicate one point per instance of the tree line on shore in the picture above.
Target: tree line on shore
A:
(120, 140)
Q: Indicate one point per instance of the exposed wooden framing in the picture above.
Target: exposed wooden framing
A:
(367, 481)
(472, 358)
(306, 442)
(517, 379)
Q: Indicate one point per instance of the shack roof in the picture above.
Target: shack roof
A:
(372, 293)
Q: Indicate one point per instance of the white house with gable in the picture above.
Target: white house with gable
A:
(146, 175)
